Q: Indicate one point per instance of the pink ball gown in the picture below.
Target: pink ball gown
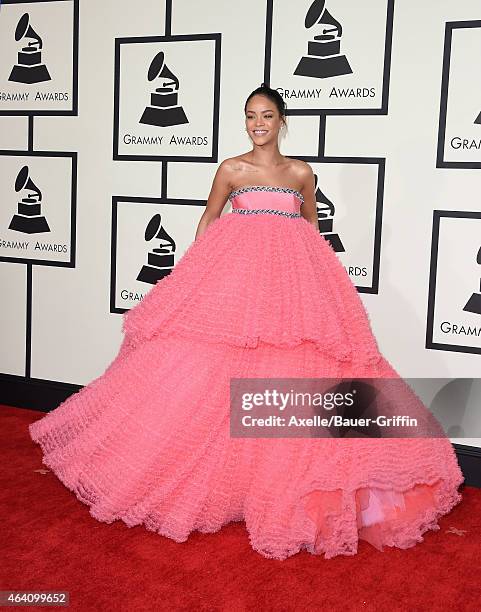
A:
(259, 294)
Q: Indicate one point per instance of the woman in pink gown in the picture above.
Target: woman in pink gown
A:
(258, 294)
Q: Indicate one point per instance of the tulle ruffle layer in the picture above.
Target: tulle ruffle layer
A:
(148, 442)
(259, 278)
(382, 517)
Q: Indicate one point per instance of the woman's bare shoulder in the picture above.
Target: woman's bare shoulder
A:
(236, 163)
(231, 169)
(228, 171)
(300, 167)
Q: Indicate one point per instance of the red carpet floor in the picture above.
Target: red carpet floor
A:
(50, 542)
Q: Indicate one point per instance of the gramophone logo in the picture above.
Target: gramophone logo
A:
(160, 260)
(28, 218)
(325, 219)
(29, 68)
(164, 109)
(474, 302)
(459, 136)
(454, 302)
(324, 58)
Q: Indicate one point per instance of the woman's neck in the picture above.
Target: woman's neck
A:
(266, 157)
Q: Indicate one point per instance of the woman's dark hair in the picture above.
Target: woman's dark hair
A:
(272, 94)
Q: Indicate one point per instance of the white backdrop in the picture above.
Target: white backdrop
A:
(388, 158)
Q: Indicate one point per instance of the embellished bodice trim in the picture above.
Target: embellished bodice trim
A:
(241, 190)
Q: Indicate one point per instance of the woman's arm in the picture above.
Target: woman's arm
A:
(219, 193)
(309, 207)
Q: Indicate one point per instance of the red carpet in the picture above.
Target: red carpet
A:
(50, 542)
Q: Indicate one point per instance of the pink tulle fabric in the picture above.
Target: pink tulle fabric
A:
(148, 441)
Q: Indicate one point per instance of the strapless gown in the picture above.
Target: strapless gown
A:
(259, 294)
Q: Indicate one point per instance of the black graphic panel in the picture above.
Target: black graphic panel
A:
(167, 98)
(330, 56)
(349, 212)
(39, 51)
(454, 306)
(459, 140)
(149, 236)
(37, 216)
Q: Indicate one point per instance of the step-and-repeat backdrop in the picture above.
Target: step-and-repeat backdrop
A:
(114, 117)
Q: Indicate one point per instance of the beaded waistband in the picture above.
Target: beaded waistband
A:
(268, 211)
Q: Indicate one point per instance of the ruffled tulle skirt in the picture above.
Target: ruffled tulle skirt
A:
(148, 442)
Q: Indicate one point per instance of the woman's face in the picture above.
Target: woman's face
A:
(263, 120)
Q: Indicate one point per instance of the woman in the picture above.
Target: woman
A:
(259, 294)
